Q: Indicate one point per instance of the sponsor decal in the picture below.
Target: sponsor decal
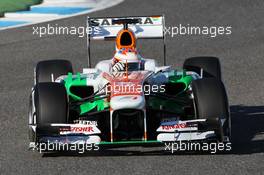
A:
(82, 129)
(109, 21)
(176, 126)
(86, 122)
(78, 129)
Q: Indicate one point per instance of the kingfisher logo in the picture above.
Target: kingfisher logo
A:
(176, 126)
(82, 129)
(78, 129)
(173, 127)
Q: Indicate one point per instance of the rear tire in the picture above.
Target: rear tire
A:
(48, 69)
(211, 103)
(210, 65)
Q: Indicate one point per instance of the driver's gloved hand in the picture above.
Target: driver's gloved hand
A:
(118, 67)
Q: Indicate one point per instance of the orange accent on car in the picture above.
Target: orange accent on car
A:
(111, 137)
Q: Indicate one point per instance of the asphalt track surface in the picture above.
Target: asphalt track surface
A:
(241, 55)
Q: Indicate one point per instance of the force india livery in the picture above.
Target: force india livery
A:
(128, 99)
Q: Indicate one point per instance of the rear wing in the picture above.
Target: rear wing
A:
(107, 28)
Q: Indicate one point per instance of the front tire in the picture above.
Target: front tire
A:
(51, 103)
(211, 103)
(49, 70)
(210, 65)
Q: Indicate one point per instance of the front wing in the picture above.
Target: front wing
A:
(170, 131)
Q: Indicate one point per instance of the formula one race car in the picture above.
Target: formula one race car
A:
(128, 99)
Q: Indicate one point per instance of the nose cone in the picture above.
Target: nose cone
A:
(127, 102)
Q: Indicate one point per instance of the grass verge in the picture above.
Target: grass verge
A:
(16, 5)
